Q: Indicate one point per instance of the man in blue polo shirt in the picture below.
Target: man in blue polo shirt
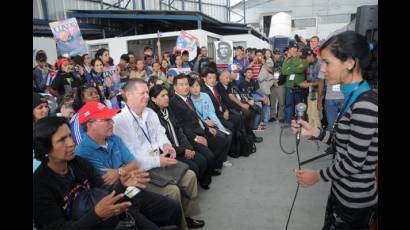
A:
(112, 159)
(100, 147)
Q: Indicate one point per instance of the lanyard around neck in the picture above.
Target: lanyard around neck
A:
(347, 102)
(143, 131)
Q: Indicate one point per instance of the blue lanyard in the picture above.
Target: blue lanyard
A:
(143, 131)
(347, 102)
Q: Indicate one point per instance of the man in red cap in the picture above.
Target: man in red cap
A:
(97, 121)
(113, 160)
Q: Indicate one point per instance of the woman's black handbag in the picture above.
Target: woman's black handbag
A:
(85, 201)
(162, 176)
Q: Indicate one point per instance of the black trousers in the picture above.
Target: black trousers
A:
(198, 164)
(219, 144)
(209, 156)
(340, 217)
(152, 210)
(234, 124)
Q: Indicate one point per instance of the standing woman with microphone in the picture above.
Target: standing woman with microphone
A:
(352, 203)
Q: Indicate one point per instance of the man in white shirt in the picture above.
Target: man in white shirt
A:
(143, 134)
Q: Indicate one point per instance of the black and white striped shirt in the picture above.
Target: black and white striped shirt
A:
(353, 171)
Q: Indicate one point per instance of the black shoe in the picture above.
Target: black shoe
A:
(204, 186)
(258, 139)
(282, 120)
(272, 119)
(215, 172)
(192, 223)
(233, 155)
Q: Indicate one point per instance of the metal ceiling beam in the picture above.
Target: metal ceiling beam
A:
(117, 4)
(102, 3)
(133, 16)
(81, 25)
(45, 8)
(143, 4)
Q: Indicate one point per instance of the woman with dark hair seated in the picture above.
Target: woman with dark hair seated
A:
(40, 107)
(86, 93)
(185, 152)
(63, 176)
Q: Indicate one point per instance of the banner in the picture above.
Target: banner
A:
(112, 73)
(224, 52)
(181, 70)
(188, 42)
(68, 37)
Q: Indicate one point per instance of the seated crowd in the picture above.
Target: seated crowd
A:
(115, 126)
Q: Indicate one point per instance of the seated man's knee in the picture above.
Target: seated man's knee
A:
(173, 192)
(190, 176)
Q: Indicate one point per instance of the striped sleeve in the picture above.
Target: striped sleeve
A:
(325, 136)
(363, 125)
(76, 129)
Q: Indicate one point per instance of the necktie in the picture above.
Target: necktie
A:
(217, 96)
(188, 103)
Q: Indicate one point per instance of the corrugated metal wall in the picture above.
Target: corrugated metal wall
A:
(56, 7)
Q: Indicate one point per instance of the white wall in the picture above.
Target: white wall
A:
(46, 44)
(251, 40)
(118, 45)
(326, 29)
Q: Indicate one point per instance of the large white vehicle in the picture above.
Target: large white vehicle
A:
(120, 45)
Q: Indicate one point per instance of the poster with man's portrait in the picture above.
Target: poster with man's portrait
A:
(224, 52)
(68, 37)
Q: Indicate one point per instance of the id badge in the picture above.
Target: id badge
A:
(292, 77)
(276, 76)
(336, 88)
(152, 152)
(220, 108)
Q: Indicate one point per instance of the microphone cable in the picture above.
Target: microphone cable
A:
(297, 188)
(280, 142)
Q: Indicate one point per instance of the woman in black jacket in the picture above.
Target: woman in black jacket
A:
(62, 175)
(185, 152)
(65, 81)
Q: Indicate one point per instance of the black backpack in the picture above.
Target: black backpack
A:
(247, 145)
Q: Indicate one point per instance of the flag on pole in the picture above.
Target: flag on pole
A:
(186, 41)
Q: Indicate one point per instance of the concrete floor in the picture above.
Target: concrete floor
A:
(257, 191)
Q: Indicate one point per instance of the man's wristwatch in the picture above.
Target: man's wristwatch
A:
(121, 171)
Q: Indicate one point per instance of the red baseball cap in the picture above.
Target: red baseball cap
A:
(95, 110)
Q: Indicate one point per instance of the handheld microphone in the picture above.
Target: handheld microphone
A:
(300, 113)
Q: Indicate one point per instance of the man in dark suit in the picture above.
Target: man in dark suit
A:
(229, 92)
(229, 120)
(200, 135)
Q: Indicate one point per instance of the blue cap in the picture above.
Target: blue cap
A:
(172, 72)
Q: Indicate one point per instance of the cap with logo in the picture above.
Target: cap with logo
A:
(95, 110)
